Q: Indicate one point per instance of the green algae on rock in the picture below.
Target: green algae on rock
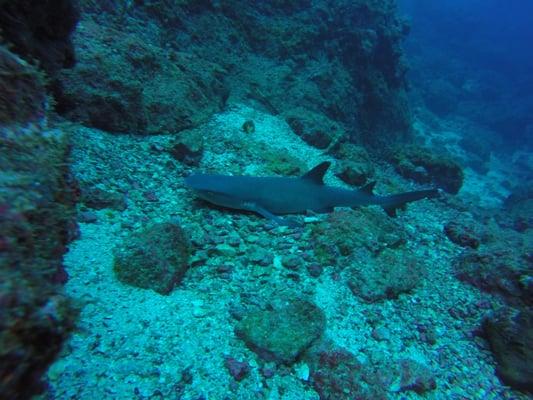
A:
(154, 258)
(283, 334)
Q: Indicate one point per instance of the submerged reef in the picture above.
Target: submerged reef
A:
(336, 63)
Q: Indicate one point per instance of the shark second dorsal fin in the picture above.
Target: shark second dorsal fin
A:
(317, 173)
(368, 188)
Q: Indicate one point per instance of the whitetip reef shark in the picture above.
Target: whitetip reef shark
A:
(273, 196)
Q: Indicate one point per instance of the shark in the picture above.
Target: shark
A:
(273, 196)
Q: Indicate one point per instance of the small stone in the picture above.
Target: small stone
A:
(267, 372)
(416, 377)
(150, 196)
(315, 270)
(97, 199)
(252, 238)
(381, 333)
(234, 241)
(292, 261)
(88, 217)
(237, 369)
(225, 250)
(302, 371)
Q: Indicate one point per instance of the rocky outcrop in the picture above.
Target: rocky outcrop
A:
(425, 166)
(41, 32)
(510, 335)
(282, 334)
(339, 63)
(37, 198)
(154, 258)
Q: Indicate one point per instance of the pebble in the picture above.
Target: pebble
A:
(225, 250)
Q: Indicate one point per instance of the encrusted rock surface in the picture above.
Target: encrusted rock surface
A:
(37, 221)
(282, 334)
(154, 258)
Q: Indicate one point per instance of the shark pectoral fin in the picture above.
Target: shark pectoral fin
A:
(267, 214)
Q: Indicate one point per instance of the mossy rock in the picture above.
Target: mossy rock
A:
(283, 334)
(424, 166)
(347, 231)
(386, 276)
(154, 258)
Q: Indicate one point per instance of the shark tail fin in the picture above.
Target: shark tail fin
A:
(399, 201)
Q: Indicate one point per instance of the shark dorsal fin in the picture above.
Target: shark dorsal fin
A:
(317, 173)
(368, 188)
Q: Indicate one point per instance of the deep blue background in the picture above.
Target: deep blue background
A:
(474, 59)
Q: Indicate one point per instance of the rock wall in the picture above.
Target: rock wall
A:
(37, 200)
(334, 67)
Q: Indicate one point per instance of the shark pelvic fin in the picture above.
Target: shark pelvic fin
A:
(391, 210)
(267, 214)
(317, 173)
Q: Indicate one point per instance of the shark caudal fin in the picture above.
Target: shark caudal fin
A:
(398, 201)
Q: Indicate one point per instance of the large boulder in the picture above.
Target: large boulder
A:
(156, 257)
(505, 271)
(150, 67)
(510, 334)
(137, 87)
(425, 166)
(386, 276)
(282, 334)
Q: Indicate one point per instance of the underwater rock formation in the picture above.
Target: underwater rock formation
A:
(518, 210)
(41, 31)
(37, 220)
(340, 61)
(386, 276)
(464, 231)
(283, 334)
(336, 373)
(505, 271)
(425, 166)
(510, 334)
(153, 258)
(134, 86)
(23, 99)
(188, 147)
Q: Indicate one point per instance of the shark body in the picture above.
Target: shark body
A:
(273, 196)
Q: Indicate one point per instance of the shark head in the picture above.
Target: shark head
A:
(213, 189)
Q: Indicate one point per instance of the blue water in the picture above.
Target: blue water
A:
(489, 42)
